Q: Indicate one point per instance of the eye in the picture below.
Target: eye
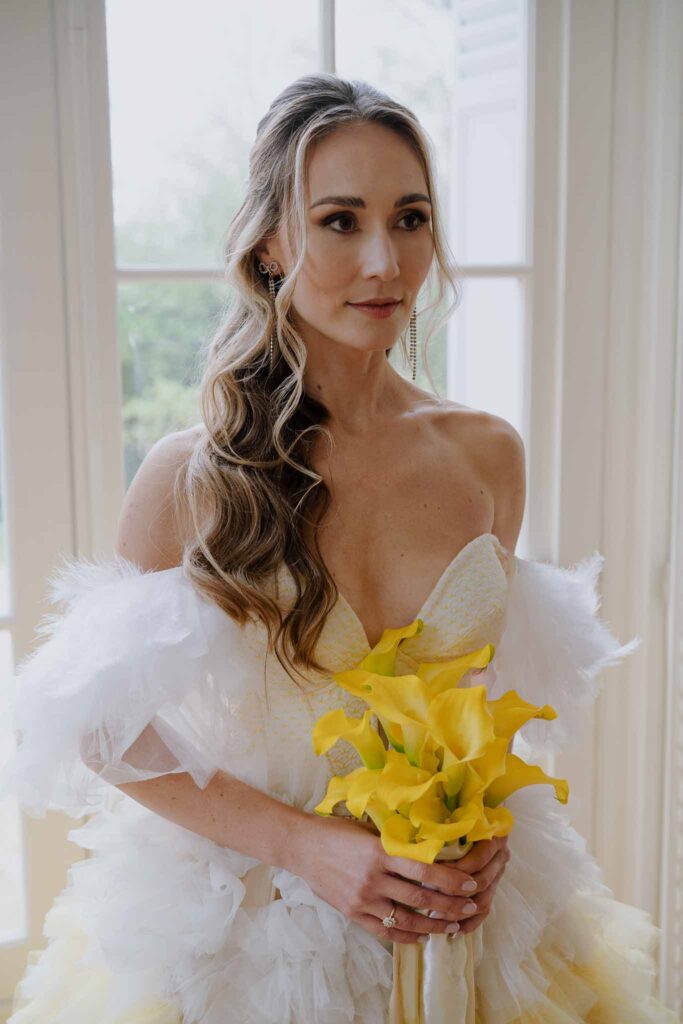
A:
(336, 217)
(421, 219)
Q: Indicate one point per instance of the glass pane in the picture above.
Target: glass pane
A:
(187, 87)
(13, 919)
(432, 362)
(408, 49)
(163, 330)
(490, 130)
(461, 65)
(6, 603)
(486, 351)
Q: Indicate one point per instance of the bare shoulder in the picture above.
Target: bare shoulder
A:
(152, 529)
(497, 450)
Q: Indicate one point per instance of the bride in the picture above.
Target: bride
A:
(322, 499)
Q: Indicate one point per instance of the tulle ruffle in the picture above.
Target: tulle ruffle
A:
(207, 943)
(60, 988)
(176, 920)
(554, 646)
(557, 947)
(124, 689)
(614, 984)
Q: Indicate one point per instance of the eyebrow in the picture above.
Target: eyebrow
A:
(359, 202)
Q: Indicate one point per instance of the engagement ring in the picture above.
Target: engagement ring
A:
(390, 921)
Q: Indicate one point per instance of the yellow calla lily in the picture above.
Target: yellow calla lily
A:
(355, 789)
(448, 767)
(382, 658)
(443, 675)
(400, 783)
(378, 813)
(399, 838)
(337, 725)
(461, 722)
(356, 681)
(456, 772)
(510, 712)
(360, 683)
(337, 791)
(481, 772)
(429, 807)
(401, 700)
(459, 824)
(431, 759)
(362, 790)
(519, 774)
(491, 822)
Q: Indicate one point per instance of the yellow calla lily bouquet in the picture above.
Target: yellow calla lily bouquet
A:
(437, 788)
(447, 768)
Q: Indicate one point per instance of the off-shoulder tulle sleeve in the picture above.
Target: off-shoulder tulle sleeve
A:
(555, 646)
(116, 690)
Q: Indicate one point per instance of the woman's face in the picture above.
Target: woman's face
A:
(369, 237)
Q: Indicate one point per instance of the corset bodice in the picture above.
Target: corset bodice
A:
(464, 610)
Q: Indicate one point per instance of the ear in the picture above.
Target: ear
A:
(261, 252)
(269, 250)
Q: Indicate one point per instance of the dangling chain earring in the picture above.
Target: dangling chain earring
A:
(413, 342)
(270, 269)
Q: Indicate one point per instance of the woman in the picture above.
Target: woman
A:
(322, 499)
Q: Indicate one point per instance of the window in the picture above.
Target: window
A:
(185, 95)
(180, 141)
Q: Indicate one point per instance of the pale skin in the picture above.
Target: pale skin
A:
(412, 480)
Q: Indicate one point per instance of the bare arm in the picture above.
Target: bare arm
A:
(228, 811)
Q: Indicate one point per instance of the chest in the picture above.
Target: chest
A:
(396, 518)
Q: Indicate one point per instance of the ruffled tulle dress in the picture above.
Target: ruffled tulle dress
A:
(159, 925)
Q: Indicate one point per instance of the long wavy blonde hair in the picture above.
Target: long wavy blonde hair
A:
(248, 486)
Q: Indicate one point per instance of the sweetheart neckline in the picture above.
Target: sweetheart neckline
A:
(426, 604)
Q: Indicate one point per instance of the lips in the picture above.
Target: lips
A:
(376, 302)
(377, 310)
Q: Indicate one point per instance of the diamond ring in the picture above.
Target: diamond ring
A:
(390, 921)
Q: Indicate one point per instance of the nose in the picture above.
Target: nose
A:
(379, 257)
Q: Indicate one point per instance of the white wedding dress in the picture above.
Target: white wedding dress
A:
(160, 925)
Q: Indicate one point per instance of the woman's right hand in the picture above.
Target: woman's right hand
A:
(344, 863)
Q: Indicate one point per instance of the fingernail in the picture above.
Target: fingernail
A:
(469, 886)
(453, 927)
(469, 908)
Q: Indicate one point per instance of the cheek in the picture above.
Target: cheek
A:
(325, 283)
(416, 258)
(318, 301)
(328, 268)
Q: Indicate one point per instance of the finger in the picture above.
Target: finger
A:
(443, 877)
(411, 920)
(484, 900)
(420, 897)
(472, 922)
(491, 871)
(481, 853)
(375, 927)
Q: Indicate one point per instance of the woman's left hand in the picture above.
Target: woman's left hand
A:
(485, 862)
